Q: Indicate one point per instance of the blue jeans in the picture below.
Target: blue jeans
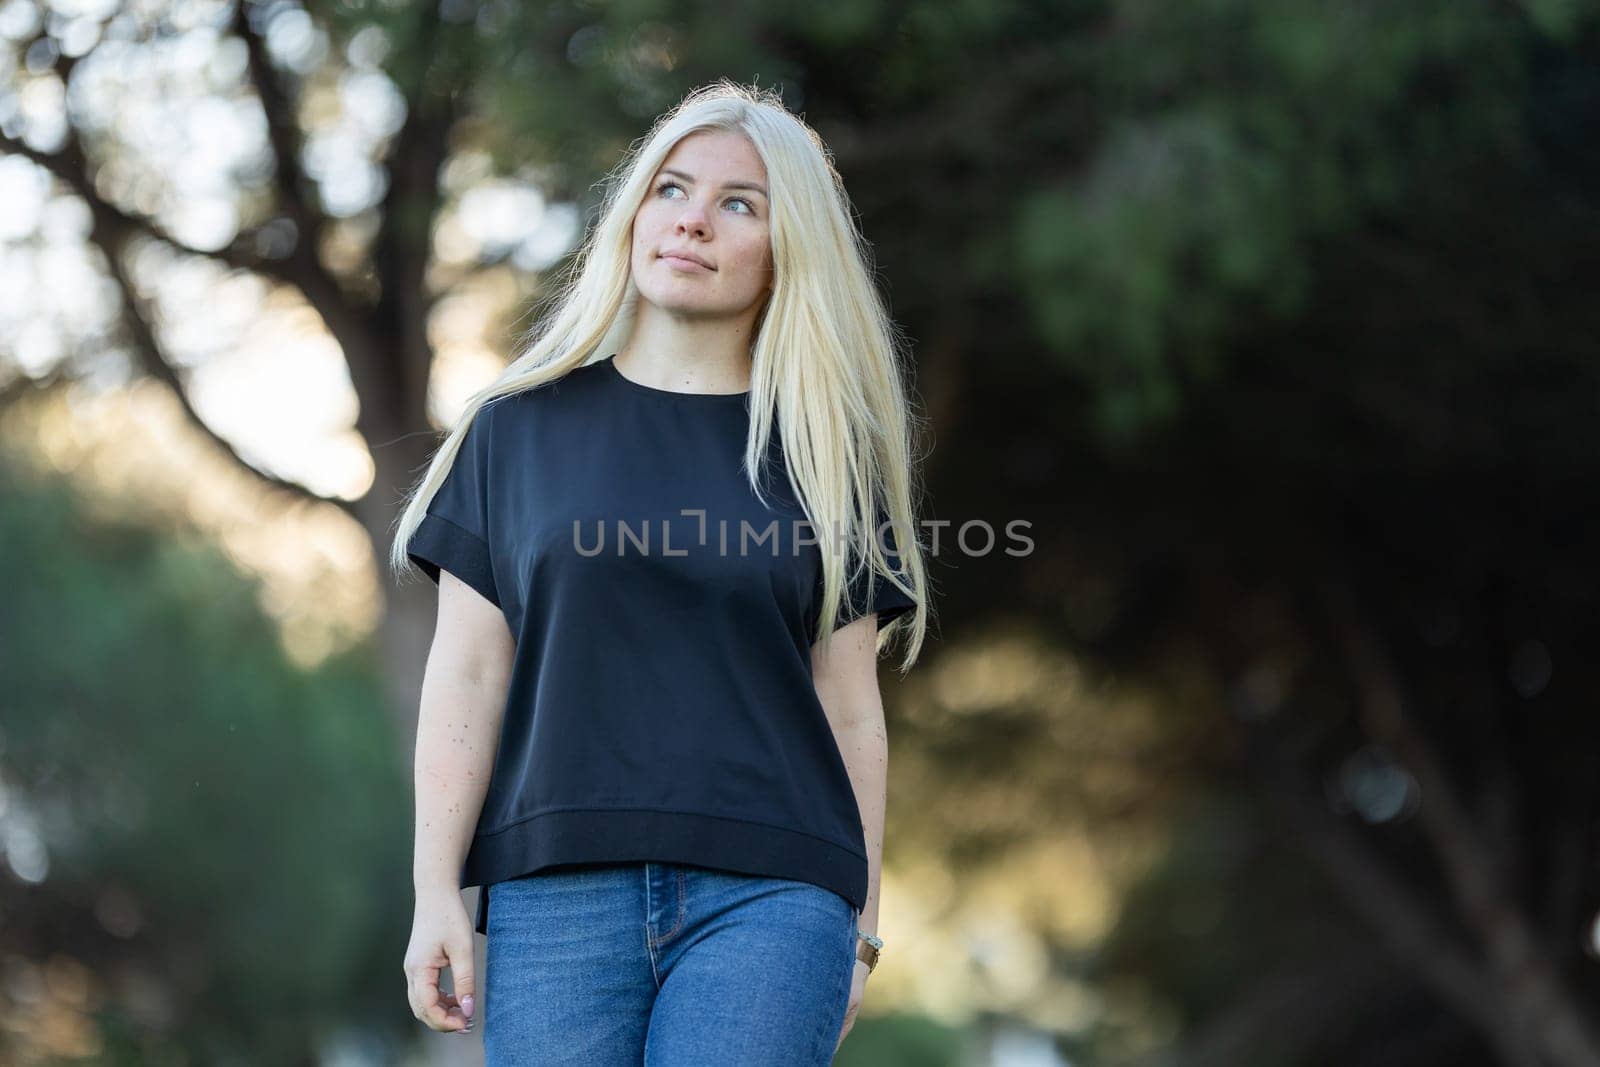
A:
(666, 965)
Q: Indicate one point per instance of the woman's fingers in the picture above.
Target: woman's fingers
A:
(462, 979)
(439, 1011)
(454, 1011)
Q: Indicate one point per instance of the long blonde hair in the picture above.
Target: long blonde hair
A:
(826, 360)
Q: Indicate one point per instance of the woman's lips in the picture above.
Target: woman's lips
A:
(680, 263)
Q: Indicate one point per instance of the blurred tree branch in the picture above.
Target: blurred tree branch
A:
(1527, 985)
(111, 229)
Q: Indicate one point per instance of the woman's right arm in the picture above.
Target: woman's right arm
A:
(464, 689)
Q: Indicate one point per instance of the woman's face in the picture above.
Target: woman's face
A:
(707, 201)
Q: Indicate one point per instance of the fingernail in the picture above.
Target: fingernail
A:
(466, 1005)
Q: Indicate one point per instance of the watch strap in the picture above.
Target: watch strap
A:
(867, 948)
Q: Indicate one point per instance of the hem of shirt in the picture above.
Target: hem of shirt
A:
(632, 835)
(892, 611)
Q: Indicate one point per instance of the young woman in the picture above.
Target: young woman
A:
(650, 721)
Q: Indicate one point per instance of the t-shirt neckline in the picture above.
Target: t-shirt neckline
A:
(671, 394)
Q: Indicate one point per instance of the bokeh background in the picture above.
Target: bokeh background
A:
(1276, 320)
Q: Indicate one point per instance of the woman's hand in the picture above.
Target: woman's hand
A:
(858, 984)
(441, 936)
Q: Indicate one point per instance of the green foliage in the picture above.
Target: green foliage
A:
(252, 811)
(900, 1041)
(1561, 19)
(1237, 133)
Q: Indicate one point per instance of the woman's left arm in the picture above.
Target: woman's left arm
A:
(844, 667)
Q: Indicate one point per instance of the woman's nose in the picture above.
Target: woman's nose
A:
(693, 217)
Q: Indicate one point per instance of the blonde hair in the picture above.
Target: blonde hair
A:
(826, 360)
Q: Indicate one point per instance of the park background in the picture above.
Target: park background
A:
(1276, 320)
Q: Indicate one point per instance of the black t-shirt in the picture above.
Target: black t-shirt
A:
(661, 705)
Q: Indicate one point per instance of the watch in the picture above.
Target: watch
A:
(867, 948)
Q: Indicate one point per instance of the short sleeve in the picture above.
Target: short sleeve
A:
(886, 599)
(454, 531)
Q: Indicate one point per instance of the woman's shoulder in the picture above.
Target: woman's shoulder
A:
(566, 389)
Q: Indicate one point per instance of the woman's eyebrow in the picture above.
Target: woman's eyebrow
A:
(752, 186)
